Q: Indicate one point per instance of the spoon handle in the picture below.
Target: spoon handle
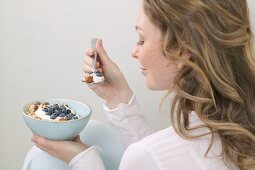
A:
(93, 45)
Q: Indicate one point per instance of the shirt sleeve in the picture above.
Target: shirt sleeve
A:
(136, 157)
(88, 159)
(129, 121)
(132, 126)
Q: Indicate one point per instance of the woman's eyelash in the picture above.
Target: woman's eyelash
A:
(140, 42)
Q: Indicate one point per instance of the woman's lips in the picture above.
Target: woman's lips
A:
(143, 71)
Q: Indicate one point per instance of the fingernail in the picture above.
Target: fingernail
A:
(90, 52)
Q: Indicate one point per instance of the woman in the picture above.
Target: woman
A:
(201, 51)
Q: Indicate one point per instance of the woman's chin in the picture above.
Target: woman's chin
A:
(157, 87)
(153, 87)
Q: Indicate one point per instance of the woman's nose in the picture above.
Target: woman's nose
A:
(135, 52)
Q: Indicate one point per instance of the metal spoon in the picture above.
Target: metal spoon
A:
(94, 61)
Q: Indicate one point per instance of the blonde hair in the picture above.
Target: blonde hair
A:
(218, 82)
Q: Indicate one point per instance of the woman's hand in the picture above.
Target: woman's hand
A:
(115, 89)
(64, 150)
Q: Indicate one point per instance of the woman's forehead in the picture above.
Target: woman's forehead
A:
(143, 22)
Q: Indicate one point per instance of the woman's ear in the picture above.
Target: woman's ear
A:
(184, 56)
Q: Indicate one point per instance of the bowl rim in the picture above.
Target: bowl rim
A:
(43, 120)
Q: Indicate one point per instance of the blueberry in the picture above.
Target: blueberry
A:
(68, 111)
(69, 116)
(62, 107)
(64, 111)
(98, 73)
(75, 117)
(55, 106)
(50, 110)
(53, 116)
(57, 112)
(62, 115)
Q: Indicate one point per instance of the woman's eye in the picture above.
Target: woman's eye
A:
(140, 42)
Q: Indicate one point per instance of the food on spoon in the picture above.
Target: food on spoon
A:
(93, 77)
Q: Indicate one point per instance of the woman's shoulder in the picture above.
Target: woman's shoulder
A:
(166, 139)
(167, 149)
(141, 155)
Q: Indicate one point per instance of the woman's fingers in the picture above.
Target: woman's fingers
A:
(43, 143)
(87, 67)
(103, 56)
(100, 50)
(90, 52)
(77, 139)
(64, 150)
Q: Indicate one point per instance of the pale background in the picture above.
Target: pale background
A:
(42, 43)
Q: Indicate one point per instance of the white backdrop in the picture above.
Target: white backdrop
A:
(42, 43)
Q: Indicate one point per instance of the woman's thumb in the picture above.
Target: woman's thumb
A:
(77, 139)
(101, 51)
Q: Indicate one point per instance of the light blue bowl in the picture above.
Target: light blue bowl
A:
(59, 130)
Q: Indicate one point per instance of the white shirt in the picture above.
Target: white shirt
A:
(163, 150)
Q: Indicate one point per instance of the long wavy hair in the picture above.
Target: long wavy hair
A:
(218, 82)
